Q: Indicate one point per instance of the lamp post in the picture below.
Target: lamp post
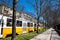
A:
(14, 20)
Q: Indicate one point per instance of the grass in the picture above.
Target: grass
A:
(41, 31)
(26, 36)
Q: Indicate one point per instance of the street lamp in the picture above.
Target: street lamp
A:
(14, 20)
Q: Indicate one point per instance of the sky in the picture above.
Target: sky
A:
(27, 7)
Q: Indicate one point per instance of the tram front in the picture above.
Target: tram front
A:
(1, 25)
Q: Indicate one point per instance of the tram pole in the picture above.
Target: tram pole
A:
(14, 20)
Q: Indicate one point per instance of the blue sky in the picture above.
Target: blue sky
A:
(27, 7)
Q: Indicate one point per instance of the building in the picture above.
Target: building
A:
(7, 11)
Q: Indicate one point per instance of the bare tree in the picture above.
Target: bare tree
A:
(36, 6)
(53, 15)
(36, 1)
(14, 21)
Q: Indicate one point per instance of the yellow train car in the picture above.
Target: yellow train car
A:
(35, 27)
(39, 27)
(30, 26)
(6, 28)
(22, 26)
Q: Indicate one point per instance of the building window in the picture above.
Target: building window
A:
(5, 10)
(20, 15)
(9, 22)
(31, 24)
(10, 12)
(19, 23)
(28, 24)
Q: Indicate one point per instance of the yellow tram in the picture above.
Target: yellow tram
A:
(22, 26)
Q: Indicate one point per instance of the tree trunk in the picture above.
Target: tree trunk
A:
(13, 21)
(37, 24)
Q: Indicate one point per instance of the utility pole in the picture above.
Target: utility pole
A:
(14, 20)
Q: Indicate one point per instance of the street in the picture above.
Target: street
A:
(50, 34)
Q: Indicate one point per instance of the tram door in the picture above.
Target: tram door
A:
(24, 27)
(35, 27)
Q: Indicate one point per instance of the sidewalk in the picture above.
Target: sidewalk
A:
(46, 35)
(54, 36)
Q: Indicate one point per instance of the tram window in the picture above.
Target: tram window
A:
(31, 24)
(34, 25)
(19, 23)
(28, 24)
(9, 22)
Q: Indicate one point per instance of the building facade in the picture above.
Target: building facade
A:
(7, 11)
